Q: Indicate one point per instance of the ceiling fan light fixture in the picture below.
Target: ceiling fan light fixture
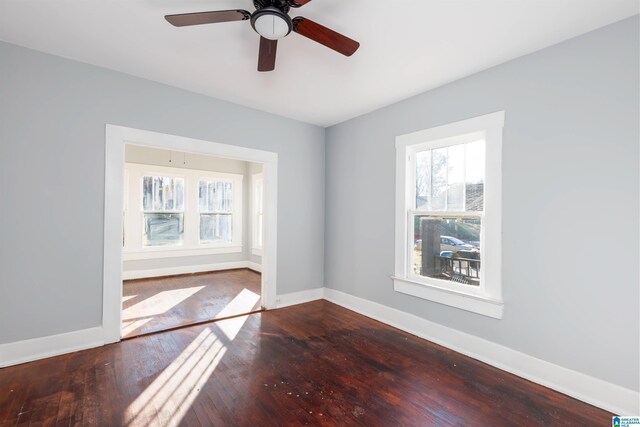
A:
(271, 23)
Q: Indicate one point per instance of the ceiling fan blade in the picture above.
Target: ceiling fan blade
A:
(267, 55)
(297, 3)
(198, 18)
(325, 36)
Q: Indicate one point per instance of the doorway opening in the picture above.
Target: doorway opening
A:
(195, 230)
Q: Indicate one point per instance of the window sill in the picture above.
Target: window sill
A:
(475, 303)
(154, 253)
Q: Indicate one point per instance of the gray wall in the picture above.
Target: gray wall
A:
(570, 201)
(158, 157)
(52, 123)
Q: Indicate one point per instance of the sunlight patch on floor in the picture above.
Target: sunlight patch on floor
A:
(159, 303)
(126, 298)
(168, 398)
(129, 326)
(241, 303)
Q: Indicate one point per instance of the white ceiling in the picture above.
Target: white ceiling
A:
(407, 46)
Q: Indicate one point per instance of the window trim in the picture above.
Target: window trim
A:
(191, 245)
(487, 299)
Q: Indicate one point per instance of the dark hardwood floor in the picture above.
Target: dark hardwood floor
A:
(315, 364)
(157, 304)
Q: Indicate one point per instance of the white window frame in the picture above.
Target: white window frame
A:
(191, 246)
(257, 211)
(487, 298)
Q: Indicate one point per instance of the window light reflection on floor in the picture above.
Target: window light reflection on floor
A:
(168, 398)
(126, 298)
(242, 303)
(129, 326)
(159, 303)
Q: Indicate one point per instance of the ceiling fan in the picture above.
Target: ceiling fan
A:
(272, 22)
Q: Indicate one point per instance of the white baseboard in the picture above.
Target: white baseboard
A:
(53, 345)
(170, 271)
(254, 266)
(594, 391)
(301, 297)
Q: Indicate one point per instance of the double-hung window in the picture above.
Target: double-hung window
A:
(215, 204)
(448, 239)
(163, 210)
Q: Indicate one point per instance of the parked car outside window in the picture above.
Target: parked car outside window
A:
(449, 244)
(453, 244)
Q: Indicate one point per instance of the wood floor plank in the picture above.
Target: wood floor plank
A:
(311, 364)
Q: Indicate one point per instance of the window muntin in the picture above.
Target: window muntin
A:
(445, 219)
(163, 210)
(215, 205)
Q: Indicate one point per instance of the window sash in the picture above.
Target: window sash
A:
(214, 239)
(147, 241)
(230, 202)
(462, 142)
(411, 215)
(154, 176)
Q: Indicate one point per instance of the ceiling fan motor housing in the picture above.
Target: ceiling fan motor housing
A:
(270, 21)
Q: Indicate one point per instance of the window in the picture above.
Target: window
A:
(448, 239)
(215, 202)
(163, 210)
(258, 202)
(447, 215)
(173, 212)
